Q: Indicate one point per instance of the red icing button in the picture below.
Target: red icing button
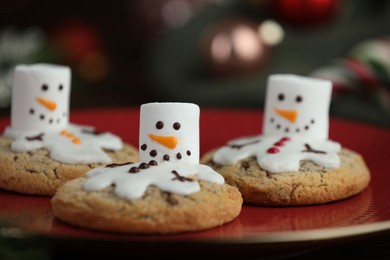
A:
(284, 139)
(273, 150)
(279, 143)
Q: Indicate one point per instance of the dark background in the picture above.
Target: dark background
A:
(147, 60)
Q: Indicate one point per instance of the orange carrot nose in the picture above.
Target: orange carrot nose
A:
(290, 115)
(51, 105)
(168, 141)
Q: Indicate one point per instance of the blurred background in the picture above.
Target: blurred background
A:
(216, 53)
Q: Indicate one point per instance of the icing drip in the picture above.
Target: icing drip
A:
(167, 176)
(280, 153)
(73, 145)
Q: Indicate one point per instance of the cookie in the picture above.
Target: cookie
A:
(35, 172)
(311, 184)
(166, 192)
(41, 149)
(293, 161)
(156, 211)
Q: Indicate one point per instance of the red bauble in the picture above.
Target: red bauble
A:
(233, 47)
(305, 12)
(76, 39)
(80, 46)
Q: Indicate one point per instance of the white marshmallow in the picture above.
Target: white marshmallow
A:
(297, 105)
(181, 145)
(40, 97)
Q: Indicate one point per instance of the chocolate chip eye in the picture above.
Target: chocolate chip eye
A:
(159, 125)
(298, 99)
(44, 87)
(60, 87)
(280, 97)
(176, 126)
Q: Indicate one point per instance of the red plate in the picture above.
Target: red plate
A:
(264, 230)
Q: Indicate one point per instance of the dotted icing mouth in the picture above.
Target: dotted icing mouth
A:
(165, 157)
(43, 117)
(291, 129)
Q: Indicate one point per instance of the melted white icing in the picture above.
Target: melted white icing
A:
(168, 176)
(287, 156)
(62, 148)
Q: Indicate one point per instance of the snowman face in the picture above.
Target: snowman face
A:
(169, 132)
(297, 105)
(40, 97)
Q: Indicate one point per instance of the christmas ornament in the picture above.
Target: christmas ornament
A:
(81, 48)
(305, 12)
(238, 46)
(364, 71)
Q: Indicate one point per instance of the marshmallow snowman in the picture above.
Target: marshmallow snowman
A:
(40, 97)
(295, 128)
(169, 132)
(169, 155)
(297, 105)
(40, 118)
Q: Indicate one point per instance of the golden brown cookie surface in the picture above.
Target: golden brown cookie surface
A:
(313, 184)
(34, 172)
(156, 212)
